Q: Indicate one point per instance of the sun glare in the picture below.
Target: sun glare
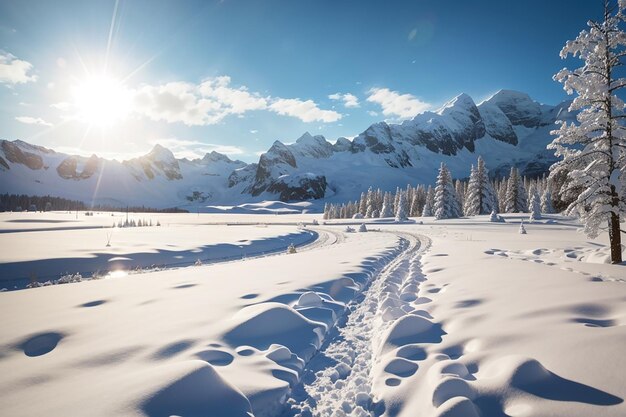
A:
(101, 101)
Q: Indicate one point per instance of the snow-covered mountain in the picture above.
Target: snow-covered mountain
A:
(157, 179)
(507, 129)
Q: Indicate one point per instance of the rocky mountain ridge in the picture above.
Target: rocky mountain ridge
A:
(507, 129)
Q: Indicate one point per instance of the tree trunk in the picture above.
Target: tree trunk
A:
(615, 239)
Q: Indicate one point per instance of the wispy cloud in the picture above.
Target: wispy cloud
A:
(214, 99)
(14, 70)
(349, 100)
(32, 120)
(394, 103)
(307, 111)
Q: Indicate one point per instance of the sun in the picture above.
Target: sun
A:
(101, 101)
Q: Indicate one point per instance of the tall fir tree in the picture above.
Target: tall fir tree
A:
(480, 198)
(446, 204)
(459, 188)
(387, 210)
(593, 150)
(401, 214)
(534, 206)
(546, 201)
(427, 210)
(515, 199)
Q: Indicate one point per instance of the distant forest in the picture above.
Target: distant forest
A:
(15, 202)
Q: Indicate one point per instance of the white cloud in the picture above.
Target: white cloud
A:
(393, 103)
(237, 100)
(63, 106)
(15, 71)
(307, 111)
(372, 113)
(349, 100)
(32, 120)
(214, 99)
(254, 131)
(177, 102)
(193, 149)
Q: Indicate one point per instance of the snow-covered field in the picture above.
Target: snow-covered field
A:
(455, 318)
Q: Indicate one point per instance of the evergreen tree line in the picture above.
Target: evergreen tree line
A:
(15, 202)
(20, 202)
(450, 198)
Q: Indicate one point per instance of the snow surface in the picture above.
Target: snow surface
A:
(455, 318)
(49, 245)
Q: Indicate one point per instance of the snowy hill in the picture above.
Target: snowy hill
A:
(507, 129)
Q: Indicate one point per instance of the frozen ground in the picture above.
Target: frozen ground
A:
(434, 318)
(44, 246)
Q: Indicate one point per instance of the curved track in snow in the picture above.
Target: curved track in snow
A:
(338, 381)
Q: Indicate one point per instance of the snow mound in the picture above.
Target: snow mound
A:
(411, 329)
(194, 388)
(457, 407)
(451, 387)
(310, 299)
(265, 324)
(526, 371)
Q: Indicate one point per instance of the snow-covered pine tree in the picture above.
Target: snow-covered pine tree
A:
(496, 198)
(417, 205)
(515, 199)
(502, 195)
(594, 149)
(427, 210)
(546, 201)
(363, 203)
(406, 202)
(459, 188)
(535, 204)
(369, 203)
(446, 204)
(396, 199)
(480, 198)
(387, 210)
(401, 214)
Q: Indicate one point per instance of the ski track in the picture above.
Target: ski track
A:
(338, 380)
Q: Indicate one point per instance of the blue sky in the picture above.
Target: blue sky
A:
(116, 77)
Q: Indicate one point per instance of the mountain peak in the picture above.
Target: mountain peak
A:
(305, 136)
(277, 146)
(462, 101)
(215, 156)
(517, 106)
(316, 146)
(507, 95)
(162, 155)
